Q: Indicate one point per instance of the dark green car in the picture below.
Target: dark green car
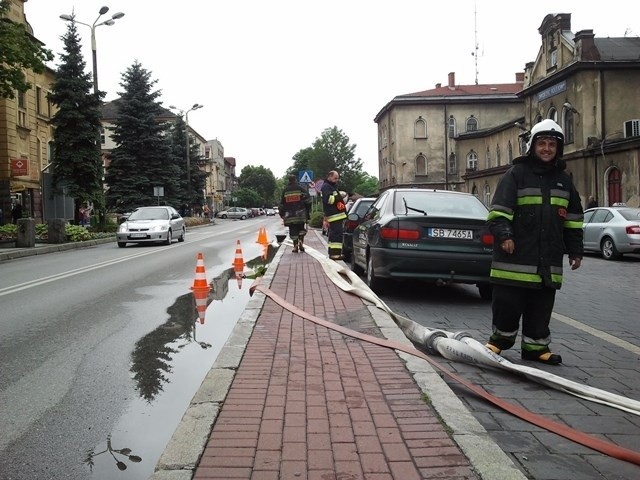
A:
(438, 236)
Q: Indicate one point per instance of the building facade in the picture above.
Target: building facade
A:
(215, 185)
(586, 84)
(25, 137)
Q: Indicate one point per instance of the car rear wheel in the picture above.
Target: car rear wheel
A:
(169, 238)
(375, 283)
(223, 216)
(243, 217)
(608, 249)
(182, 235)
(122, 244)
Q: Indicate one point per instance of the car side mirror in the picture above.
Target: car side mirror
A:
(354, 217)
(174, 216)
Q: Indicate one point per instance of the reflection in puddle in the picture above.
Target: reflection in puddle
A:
(168, 366)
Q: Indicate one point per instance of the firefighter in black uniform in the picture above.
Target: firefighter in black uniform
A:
(535, 217)
(335, 212)
(295, 209)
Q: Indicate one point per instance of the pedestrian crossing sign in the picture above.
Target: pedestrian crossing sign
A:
(305, 176)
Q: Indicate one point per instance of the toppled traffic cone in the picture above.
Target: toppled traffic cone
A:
(238, 261)
(262, 236)
(200, 282)
(200, 295)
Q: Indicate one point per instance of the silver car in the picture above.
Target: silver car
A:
(612, 231)
(151, 224)
(235, 212)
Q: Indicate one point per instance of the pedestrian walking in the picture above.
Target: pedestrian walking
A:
(535, 217)
(295, 211)
(85, 215)
(16, 212)
(333, 205)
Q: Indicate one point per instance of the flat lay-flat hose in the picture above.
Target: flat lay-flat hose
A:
(582, 438)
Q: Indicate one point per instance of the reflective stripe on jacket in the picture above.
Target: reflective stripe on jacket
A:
(538, 207)
(332, 203)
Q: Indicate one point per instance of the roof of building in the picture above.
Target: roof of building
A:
(618, 49)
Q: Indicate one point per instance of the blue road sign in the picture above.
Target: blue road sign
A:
(305, 176)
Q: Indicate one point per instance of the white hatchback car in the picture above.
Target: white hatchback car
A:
(150, 225)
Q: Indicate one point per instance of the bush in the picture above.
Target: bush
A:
(316, 219)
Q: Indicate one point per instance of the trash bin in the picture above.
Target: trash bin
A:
(26, 234)
(56, 230)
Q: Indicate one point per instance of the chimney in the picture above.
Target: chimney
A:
(452, 80)
(438, 85)
(585, 46)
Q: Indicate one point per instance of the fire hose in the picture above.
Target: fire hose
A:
(459, 346)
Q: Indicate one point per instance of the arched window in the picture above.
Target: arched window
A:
(472, 161)
(567, 125)
(553, 114)
(421, 164)
(420, 128)
(487, 195)
(452, 127)
(472, 124)
(509, 153)
(453, 164)
(498, 155)
(488, 158)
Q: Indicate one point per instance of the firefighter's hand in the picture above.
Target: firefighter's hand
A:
(508, 246)
(575, 262)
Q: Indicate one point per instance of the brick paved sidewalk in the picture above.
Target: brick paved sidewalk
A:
(310, 403)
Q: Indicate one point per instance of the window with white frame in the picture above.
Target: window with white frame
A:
(568, 125)
(452, 127)
(472, 161)
(509, 153)
(487, 195)
(472, 124)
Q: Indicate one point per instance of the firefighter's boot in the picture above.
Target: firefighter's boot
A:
(295, 246)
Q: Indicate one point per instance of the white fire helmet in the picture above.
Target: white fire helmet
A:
(547, 128)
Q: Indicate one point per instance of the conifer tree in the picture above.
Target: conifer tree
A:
(143, 156)
(77, 162)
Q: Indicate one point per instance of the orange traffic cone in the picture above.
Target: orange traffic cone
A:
(200, 282)
(200, 296)
(262, 236)
(238, 261)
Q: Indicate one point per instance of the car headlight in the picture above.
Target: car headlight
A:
(123, 228)
(158, 228)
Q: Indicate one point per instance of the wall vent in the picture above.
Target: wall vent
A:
(632, 128)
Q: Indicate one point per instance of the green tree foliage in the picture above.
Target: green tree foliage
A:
(261, 180)
(18, 52)
(366, 185)
(196, 162)
(247, 197)
(330, 151)
(77, 162)
(143, 156)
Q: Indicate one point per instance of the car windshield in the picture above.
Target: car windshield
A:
(150, 214)
(439, 204)
(361, 207)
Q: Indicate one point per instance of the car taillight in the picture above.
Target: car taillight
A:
(486, 239)
(350, 225)
(633, 229)
(399, 234)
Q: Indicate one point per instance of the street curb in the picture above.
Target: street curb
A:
(59, 247)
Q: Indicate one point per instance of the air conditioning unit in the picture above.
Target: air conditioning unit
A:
(632, 128)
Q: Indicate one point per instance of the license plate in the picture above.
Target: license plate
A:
(137, 235)
(451, 233)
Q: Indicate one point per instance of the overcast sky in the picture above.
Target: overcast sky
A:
(272, 75)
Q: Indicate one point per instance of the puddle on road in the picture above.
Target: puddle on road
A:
(168, 366)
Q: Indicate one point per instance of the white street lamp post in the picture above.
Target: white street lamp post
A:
(111, 21)
(195, 106)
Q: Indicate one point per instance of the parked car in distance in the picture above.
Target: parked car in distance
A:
(439, 236)
(151, 224)
(235, 212)
(359, 208)
(270, 212)
(612, 231)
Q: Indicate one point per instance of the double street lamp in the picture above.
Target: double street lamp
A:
(93, 26)
(195, 106)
